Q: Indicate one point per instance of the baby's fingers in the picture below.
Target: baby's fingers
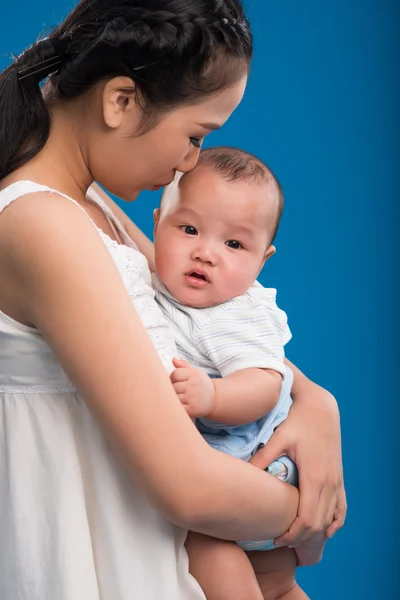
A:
(180, 387)
(180, 364)
(179, 375)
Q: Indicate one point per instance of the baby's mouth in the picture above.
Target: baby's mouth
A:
(198, 277)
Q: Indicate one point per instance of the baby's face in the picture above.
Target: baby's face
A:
(211, 238)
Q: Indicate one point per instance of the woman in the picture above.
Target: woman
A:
(101, 471)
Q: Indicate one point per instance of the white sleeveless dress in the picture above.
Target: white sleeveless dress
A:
(73, 526)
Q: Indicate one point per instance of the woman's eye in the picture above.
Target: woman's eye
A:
(196, 142)
(189, 230)
(234, 244)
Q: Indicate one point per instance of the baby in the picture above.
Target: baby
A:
(213, 234)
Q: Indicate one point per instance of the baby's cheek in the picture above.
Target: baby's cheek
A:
(237, 281)
(164, 263)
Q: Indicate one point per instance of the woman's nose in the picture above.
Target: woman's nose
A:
(190, 160)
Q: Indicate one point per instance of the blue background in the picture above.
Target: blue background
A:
(322, 110)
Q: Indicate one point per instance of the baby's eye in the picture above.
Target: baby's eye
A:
(189, 229)
(196, 142)
(234, 244)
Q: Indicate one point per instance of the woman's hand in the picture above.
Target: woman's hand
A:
(311, 437)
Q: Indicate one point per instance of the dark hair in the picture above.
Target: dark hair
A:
(237, 165)
(175, 51)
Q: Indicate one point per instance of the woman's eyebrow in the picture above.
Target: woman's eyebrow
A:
(211, 126)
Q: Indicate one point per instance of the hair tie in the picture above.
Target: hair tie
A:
(44, 67)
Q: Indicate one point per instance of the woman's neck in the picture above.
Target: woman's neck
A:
(61, 164)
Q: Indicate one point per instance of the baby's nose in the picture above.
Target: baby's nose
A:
(205, 254)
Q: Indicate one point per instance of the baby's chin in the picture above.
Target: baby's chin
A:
(194, 298)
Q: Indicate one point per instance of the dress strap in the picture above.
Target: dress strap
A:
(115, 224)
(23, 188)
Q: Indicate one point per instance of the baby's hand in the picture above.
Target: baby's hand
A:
(194, 388)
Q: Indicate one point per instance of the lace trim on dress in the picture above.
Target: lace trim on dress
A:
(37, 389)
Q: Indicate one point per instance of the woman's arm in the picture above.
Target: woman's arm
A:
(141, 240)
(75, 296)
(311, 437)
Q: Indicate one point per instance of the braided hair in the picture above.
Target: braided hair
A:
(175, 51)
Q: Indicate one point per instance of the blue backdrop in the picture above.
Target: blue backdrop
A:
(322, 110)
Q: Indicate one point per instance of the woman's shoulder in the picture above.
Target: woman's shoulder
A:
(43, 237)
(39, 227)
(38, 198)
(32, 212)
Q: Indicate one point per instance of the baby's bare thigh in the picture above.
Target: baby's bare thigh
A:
(275, 571)
(222, 569)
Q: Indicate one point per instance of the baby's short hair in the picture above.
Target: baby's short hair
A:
(237, 165)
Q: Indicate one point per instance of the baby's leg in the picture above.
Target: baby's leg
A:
(275, 572)
(222, 569)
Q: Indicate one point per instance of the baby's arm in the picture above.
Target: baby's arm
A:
(237, 399)
(245, 396)
(242, 340)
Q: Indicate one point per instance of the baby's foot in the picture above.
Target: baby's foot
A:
(278, 469)
(284, 469)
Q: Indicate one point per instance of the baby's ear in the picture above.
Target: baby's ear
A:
(270, 252)
(156, 217)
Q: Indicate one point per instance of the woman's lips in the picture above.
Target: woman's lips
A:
(161, 185)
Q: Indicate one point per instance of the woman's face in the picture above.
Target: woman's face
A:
(126, 164)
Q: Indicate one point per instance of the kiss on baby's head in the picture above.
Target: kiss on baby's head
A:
(215, 227)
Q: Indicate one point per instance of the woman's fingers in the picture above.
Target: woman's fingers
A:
(339, 516)
(270, 452)
(311, 552)
(322, 509)
(305, 525)
(326, 508)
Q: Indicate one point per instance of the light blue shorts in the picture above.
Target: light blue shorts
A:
(243, 441)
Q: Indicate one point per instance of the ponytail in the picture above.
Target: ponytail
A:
(24, 117)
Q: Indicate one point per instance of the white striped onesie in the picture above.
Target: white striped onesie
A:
(249, 331)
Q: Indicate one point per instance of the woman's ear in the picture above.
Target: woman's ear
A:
(118, 100)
